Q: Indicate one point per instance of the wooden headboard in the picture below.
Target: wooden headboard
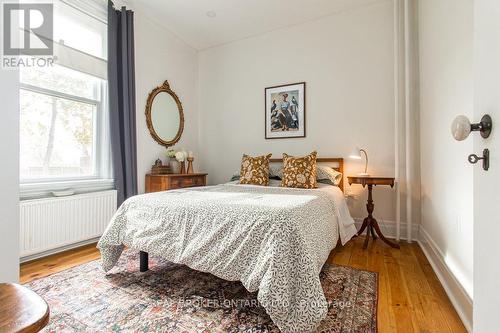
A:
(336, 163)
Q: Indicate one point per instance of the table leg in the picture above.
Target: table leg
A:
(372, 231)
(363, 226)
(371, 225)
(382, 237)
(367, 238)
(143, 261)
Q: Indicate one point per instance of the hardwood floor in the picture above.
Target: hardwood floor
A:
(411, 298)
(58, 262)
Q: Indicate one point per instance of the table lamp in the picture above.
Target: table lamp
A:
(356, 154)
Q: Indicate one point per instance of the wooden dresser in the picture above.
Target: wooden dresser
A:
(156, 183)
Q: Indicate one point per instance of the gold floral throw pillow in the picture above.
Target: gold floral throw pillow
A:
(255, 170)
(299, 172)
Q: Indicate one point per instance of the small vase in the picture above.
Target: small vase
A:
(175, 166)
(183, 167)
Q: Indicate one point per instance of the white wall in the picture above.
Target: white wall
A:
(347, 62)
(9, 176)
(160, 56)
(446, 90)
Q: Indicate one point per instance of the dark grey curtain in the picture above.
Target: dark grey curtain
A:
(121, 83)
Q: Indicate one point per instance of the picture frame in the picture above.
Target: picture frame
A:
(285, 111)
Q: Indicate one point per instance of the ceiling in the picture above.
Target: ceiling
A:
(235, 19)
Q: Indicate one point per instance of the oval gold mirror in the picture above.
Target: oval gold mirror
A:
(164, 115)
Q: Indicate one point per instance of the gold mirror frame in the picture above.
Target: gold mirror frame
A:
(165, 87)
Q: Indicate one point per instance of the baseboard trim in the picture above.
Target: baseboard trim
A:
(57, 250)
(388, 228)
(457, 294)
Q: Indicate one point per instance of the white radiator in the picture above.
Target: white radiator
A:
(57, 223)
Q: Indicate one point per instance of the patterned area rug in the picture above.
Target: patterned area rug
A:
(174, 298)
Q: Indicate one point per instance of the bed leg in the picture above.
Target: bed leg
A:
(143, 261)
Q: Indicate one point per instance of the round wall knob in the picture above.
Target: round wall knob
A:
(460, 128)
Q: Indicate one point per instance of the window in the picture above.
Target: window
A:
(63, 109)
(60, 111)
(77, 25)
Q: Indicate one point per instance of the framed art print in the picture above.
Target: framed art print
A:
(285, 114)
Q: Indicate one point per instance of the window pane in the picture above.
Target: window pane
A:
(63, 80)
(75, 29)
(57, 137)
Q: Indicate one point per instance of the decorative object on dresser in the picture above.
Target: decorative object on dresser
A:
(190, 160)
(159, 169)
(156, 183)
(370, 223)
(180, 156)
(285, 111)
(175, 166)
(356, 155)
(164, 115)
(190, 165)
(21, 310)
(170, 153)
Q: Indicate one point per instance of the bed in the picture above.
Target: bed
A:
(274, 240)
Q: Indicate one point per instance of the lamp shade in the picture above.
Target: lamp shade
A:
(355, 154)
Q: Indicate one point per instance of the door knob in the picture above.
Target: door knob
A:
(461, 127)
(473, 159)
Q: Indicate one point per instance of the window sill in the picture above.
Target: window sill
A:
(44, 190)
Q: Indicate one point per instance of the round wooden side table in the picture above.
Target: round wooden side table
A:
(21, 310)
(370, 223)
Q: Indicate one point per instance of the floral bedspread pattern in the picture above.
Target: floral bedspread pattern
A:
(274, 240)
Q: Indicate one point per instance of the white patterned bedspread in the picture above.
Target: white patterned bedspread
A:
(274, 240)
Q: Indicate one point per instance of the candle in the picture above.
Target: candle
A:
(190, 154)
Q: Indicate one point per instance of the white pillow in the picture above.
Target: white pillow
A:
(324, 172)
(276, 170)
